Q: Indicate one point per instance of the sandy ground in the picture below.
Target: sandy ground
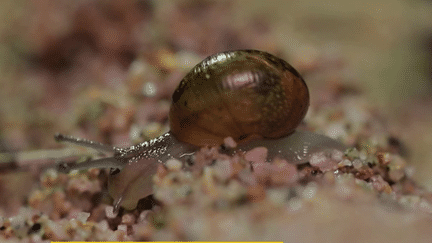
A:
(106, 72)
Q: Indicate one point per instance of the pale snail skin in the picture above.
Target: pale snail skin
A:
(249, 95)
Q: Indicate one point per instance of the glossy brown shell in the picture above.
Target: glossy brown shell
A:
(243, 94)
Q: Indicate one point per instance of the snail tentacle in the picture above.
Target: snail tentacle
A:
(108, 162)
(84, 142)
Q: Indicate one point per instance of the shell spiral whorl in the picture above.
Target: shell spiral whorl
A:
(243, 94)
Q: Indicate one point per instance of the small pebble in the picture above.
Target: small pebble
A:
(396, 175)
(149, 89)
(321, 160)
(318, 159)
(345, 162)
(122, 227)
(384, 158)
(310, 190)
(174, 164)
(83, 216)
(50, 178)
(337, 155)
(380, 184)
(144, 216)
(257, 155)
(283, 172)
(223, 169)
(329, 177)
(358, 164)
(152, 130)
(103, 225)
(128, 219)
(229, 143)
(256, 193)
(109, 212)
(208, 182)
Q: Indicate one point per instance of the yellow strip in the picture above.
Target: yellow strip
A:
(174, 241)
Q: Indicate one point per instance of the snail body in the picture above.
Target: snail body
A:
(249, 95)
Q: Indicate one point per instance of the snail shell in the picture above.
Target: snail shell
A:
(249, 95)
(245, 94)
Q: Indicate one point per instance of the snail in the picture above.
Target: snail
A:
(252, 96)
